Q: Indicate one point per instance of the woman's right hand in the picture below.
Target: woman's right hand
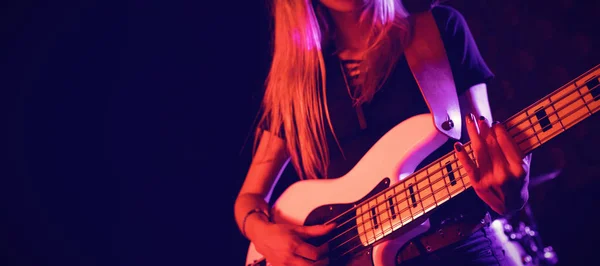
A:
(283, 244)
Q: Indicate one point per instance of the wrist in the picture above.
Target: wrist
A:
(255, 221)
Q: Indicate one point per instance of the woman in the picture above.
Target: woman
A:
(349, 54)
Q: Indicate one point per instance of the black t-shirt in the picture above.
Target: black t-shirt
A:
(399, 99)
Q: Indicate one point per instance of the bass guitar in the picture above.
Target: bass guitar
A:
(384, 201)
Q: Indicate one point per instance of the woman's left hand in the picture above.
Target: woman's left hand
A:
(501, 175)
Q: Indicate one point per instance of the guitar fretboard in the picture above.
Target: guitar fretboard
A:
(445, 178)
(556, 113)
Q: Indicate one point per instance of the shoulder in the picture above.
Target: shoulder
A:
(447, 12)
(448, 18)
(468, 66)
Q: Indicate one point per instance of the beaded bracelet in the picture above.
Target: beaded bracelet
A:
(248, 214)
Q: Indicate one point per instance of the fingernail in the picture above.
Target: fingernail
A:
(470, 118)
(458, 147)
(481, 118)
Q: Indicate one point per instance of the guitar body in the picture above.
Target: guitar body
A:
(393, 157)
(380, 204)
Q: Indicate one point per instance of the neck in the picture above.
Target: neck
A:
(350, 35)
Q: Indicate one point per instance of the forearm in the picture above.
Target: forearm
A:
(250, 224)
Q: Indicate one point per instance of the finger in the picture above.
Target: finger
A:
(314, 230)
(308, 251)
(485, 189)
(466, 162)
(484, 126)
(477, 143)
(496, 155)
(298, 260)
(322, 262)
(513, 153)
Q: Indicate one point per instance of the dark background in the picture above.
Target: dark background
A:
(126, 124)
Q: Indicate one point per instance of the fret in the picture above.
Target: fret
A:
(444, 179)
(416, 195)
(450, 173)
(374, 214)
(423, 192)
(545, 120)
(412, 195)
(591, 85)
(389, 195)
(438, 184)
(555, 113)
(444, 176)
(409, 197)
(462, 176)
(367, 233)
(581, 95)
(589, 88)
(394, 196)
(469, 149)
(431, 186)
(554, 101)
(462, 171)
(520, 128)
(402, 202)
(382, 218)
(533, 125)
(415, 206)
(362, 226)
(451, 176)
(370, 233)
(381, 215)
(460, 185)
(389, 215)
(569, 107)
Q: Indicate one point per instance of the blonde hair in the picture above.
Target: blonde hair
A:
(295, 94)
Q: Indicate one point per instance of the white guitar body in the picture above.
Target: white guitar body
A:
(395, 155)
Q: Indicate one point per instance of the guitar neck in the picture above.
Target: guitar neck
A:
(530, 128)
(445, 178)
(557, 112)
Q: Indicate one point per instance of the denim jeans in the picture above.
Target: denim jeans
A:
(481, 248)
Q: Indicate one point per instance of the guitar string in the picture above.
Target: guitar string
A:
(467, 144)
(371, 230)
(400, 211)
(421, 211)
(412, 218)
(423, 208)
(396, 194)
(548, 98)
(437, 181)
(590, 112)
(454, 171)
(380, 235)
(581, 97)
(517, 123)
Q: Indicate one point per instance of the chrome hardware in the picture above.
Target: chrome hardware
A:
(448, 124)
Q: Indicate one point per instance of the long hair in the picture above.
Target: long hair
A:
(294, 101)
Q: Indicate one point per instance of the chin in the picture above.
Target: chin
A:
(343, 5)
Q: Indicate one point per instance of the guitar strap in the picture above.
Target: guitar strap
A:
(429, 64)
